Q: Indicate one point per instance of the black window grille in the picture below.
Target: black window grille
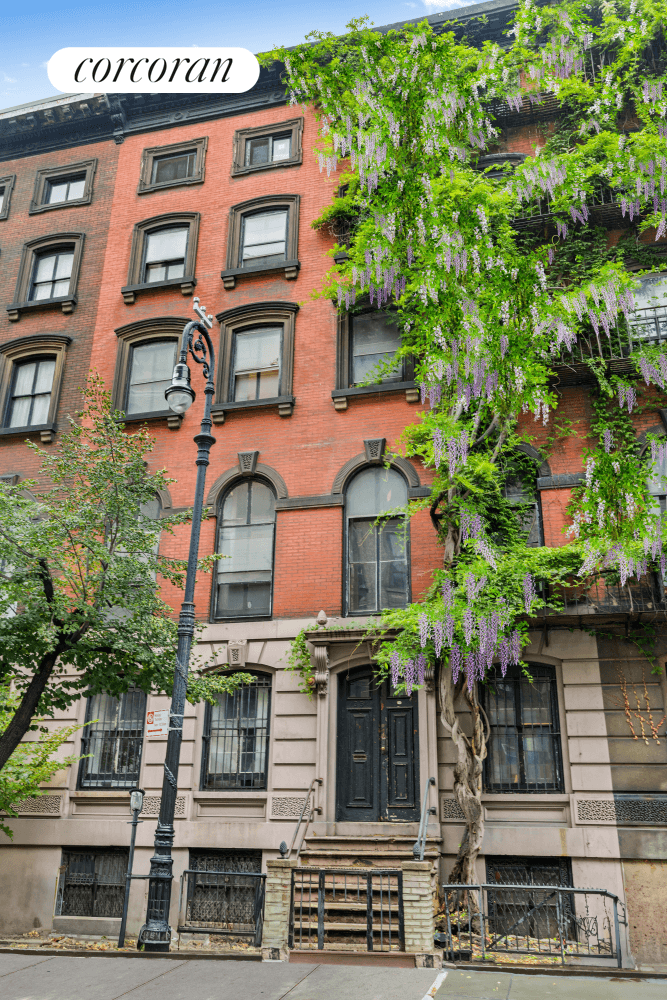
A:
(114, 741)
(524, 750)
(236, 737)
(92, 883)
(529, 514)
(225, 861)
(536, 915)
(377, 554)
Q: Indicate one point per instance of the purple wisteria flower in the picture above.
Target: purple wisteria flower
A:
(424, 630)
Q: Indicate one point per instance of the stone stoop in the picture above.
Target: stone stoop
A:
(372, 851)
(345, 915)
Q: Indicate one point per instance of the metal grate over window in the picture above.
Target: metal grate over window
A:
(236, 737)
(92, 883)
(114, 741)
(535, 915)
(226, 861)
(524, 751)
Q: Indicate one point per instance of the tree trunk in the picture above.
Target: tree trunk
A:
(18, 727)
(470, 753)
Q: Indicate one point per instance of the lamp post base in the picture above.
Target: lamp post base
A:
(154, 938)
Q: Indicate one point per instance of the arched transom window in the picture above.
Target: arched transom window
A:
(377, 555)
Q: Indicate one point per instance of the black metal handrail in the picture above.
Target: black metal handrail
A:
(306, 811)
(420, 845)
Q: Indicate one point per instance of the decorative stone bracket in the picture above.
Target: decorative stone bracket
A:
(321, 676)
(237, 653)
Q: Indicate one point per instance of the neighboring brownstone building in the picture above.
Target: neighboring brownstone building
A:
(115, 212)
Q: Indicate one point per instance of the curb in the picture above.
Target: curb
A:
(632, 975)
(224, 956)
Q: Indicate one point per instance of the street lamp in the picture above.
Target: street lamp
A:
(136, 805)
(155, 935)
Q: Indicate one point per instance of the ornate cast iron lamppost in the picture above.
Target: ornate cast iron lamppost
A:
(155, 935)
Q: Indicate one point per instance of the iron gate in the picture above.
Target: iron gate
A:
(345, 907)
(546, 920)
(229, 903)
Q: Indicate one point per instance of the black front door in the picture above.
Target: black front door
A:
(377, 771)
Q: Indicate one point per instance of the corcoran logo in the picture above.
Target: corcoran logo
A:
(163, 70)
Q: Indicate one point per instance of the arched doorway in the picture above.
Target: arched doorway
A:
(377, 765)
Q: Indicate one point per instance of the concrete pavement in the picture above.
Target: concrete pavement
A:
(514, 986)
(44, 977)
(36, 977)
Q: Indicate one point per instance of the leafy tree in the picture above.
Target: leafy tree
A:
(80, 607)
(487, 300)
(32, 763)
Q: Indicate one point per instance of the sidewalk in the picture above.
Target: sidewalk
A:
(43, 977)
(515, 986)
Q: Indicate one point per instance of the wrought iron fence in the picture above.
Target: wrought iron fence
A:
(554, 922)
(91, 883)
(227, 903)
(338, 907)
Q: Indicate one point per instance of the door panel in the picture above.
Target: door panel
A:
(377, 777)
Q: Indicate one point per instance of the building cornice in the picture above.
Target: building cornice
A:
(70, 120)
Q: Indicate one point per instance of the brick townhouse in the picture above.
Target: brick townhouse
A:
(115, 212)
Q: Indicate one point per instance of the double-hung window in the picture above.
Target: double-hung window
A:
(51, 274)
(236, 737)
(174, 167)
(524, 750)
(263, 238)
(150, 371)
(164, 253)
(256, 365)
(62, 189)
(374, 340)
(245, 538)
(30, 397)
(113, 740)
(268, 149)
(377, 554)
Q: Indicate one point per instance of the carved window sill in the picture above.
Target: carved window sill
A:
(340, 397)
(47, 432)
(66, 302)
(174, 420)
(284, 405)
(290, 267)
(187, 286)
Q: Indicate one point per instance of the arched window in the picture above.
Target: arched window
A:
(236, 737)
(113, 740)
(377, 555)
(246, 522)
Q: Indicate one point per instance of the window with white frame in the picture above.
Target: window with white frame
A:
(256, 363)
(246, 528)
(150, 371)
(377, 553)
(263, 238)
(51, 274)
(164, 253)
(30, 396)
